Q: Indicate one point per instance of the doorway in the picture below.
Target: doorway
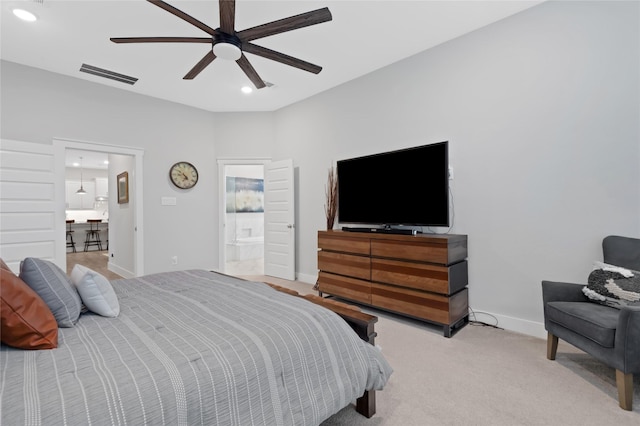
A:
(123, 225)
(241, 216)
(87, 210)
(244, 219)
(278, 227)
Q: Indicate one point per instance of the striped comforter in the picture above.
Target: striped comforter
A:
(193, 347)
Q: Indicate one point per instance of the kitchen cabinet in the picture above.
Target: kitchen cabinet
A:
(102, 187)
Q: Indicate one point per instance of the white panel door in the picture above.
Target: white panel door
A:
(28, 209)
(279, 214)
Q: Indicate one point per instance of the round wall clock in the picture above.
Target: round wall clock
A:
(183, 175)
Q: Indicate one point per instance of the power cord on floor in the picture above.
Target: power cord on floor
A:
(474, 321)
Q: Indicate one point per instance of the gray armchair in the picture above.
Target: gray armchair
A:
(610, 335)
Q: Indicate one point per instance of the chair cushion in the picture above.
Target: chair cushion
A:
(592, 321)
(622, 251)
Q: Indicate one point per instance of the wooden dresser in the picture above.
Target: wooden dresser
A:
(422, 276)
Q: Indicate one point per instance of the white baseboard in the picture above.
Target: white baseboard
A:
(307, 278)
(120, 271)
(518, 325)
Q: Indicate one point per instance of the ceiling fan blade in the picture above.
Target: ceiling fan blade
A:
(202, 64)
(180, 14)
(287, 24)
(227, 16)
(250, 72)
(161, 39)
(280, 57)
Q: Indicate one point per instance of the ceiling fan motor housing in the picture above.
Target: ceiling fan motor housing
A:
(226, 46)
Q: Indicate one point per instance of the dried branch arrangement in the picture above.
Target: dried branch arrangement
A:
(331, 191)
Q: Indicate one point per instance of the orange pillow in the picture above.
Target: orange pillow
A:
(26, 321)
(4, 265)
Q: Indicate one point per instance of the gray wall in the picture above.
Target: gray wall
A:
(122, 217)
(541, 111)
(38, 106)
(542, 114)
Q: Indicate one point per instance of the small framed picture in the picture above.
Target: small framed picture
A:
(123, 188)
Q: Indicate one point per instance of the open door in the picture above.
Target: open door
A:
(279, 214)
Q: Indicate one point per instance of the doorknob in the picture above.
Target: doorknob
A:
(290, 226)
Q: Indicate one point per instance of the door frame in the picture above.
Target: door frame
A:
(60, 146)
(222, 201)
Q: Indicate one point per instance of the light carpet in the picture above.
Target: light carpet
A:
(483, 376)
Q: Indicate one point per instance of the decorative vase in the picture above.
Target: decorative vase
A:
(331, 192)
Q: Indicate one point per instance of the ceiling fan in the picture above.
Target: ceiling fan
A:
(227, 43)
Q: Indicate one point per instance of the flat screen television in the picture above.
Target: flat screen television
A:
(403, 187)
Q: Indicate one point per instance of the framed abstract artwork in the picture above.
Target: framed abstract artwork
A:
(123, 188)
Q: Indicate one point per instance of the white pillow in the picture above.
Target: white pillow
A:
(95, 291)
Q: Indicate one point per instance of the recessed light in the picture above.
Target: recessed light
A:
(25, 15)
(246, 89)
(76, 164)
(106, 161)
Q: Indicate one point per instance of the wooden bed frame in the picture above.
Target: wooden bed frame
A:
(361, 323)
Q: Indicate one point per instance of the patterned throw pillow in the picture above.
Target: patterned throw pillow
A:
(613, 286)
(54, 287)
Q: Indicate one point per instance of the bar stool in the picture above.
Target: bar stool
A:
(106, 231)
(70, 242)
(93, 234)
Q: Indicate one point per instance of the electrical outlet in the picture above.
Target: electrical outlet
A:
(174, 260)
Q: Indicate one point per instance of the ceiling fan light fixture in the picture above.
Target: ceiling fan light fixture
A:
(246, 89)
(227, 51)
(25, 15)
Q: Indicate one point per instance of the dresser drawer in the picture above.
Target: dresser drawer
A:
(349, 288)
(344, 244)
(345, 264)
(427, 306)
(420, 276)
(440, 252)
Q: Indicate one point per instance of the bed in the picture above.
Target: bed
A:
(198, 347)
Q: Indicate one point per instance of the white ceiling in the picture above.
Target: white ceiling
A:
(362, 37)
(90, 159)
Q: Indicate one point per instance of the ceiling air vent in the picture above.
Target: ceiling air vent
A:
(100, 72)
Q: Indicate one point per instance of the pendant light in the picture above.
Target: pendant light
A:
(81, 191)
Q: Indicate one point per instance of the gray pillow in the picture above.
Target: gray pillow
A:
(54, 287)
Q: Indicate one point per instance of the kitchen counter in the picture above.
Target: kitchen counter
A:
(81, 216)
(79, 234)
